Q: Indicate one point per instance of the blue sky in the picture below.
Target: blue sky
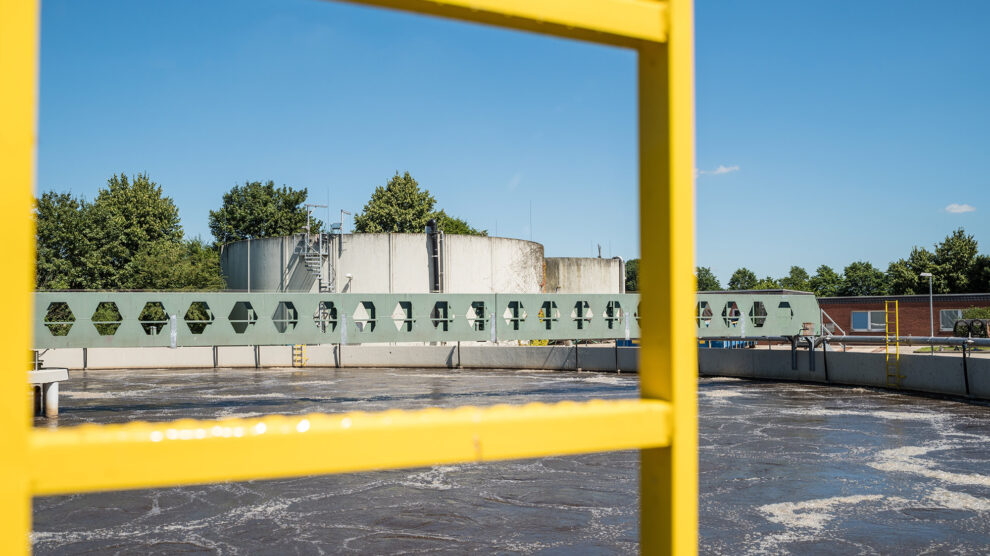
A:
(827, 132)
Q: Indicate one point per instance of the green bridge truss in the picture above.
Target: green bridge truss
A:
(144, 319)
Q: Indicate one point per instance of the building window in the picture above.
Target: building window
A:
(947, 318)
(868, 321)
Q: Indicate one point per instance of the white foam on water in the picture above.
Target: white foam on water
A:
(891, 415)
(906, 460)
(811, 514)
(608, 379)
(88, 395)
(306, 383)
(269, 395)
(959, 500)
(718, 394)
(446, 376)
(434, 478)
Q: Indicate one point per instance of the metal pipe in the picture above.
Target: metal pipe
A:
(914, 340)
(867, 340)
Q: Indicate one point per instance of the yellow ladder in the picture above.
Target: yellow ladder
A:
(892, 333)
(299, 358)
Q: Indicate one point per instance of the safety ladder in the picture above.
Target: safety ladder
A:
(299, 358)
(892, 333)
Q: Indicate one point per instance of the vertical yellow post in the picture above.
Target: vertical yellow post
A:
(18, 94)
(668, 365)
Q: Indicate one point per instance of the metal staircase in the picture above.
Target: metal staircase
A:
(892, 333)
(314, 254)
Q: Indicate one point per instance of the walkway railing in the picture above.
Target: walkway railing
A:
(140, 319)
(663, 424)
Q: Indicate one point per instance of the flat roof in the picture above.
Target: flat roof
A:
(958, 297)
(765, 292)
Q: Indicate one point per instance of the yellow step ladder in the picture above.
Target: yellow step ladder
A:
(299, 358)
(892, 334)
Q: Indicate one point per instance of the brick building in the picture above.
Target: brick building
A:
(865, 315)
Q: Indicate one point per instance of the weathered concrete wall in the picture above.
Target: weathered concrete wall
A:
(584, 275)
(589, 358)
(475, 264)
(920, 373)
(388, 263)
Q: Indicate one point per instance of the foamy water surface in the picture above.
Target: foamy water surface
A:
(784, 468)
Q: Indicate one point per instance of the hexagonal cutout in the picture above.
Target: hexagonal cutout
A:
(549, 314)
(613, 314)
(441, 316)
(758, 314)
(581, 314)
(364, 317)
(476, 315)
(326, 316)
(285, 316)
(153, 318)
(784, 310)
(731, 314)
(402, 316)
(703, 314)
(106, 318)
(514, 314)
(198, 317)
(59, 318)
(242, 316)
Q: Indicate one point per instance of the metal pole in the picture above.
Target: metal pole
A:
(931, 310)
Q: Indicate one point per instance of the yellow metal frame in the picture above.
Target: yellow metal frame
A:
(663, 424)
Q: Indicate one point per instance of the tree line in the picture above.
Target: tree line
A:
(130, 236)
(955, 264)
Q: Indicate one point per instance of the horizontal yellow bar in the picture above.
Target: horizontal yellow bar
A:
(615, 22)
(140, 455)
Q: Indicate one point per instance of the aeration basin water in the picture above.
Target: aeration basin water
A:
(784, 468)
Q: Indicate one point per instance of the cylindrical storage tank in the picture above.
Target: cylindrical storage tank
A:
(387, 263)
(585, 275)
(268, 264)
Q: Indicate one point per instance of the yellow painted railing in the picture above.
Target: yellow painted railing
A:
(663, 424)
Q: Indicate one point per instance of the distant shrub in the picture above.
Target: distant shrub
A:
(976, 313)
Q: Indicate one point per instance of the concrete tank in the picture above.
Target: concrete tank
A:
(267, 264)
(585, 275)
(386, 263)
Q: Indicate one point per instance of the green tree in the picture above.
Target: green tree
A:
(454, 225)
(401, 207)
(979, 274)
(797, 279)
(125, 216)
(826, 282)
(767, 283)
(902, 279)
(954, 258)
(166, 265)
(632, 275)
(742, 279)
(60, 242)
(398, 206)
(862, 278)
(257, 210)
(707, 281)
(129, 237)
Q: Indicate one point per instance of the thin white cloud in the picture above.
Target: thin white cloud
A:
(514, 182)
(957, 208)
(722, 169)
